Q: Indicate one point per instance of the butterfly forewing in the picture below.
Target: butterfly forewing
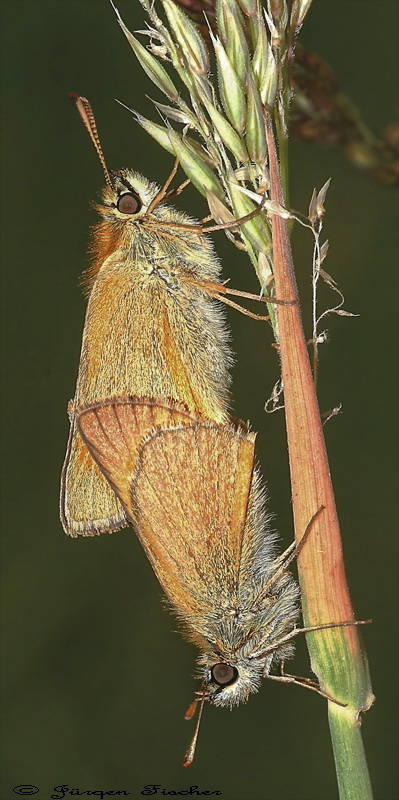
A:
(113, 430)
(83, 486)
(190, 495)
(149, 331)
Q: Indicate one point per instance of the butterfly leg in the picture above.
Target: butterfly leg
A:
(307, 683)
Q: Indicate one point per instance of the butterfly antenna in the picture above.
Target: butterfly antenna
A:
(86, 112)
(190, 752)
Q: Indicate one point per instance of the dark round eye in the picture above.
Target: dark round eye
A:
(129, 203)
(224, 674)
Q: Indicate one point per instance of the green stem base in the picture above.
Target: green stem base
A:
(350, 760)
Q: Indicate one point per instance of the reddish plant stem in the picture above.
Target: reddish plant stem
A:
(325, 594)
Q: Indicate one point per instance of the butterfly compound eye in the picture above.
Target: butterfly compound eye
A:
(129, 203)
(224, 674)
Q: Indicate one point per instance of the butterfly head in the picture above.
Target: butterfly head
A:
(127, 197)
(230, 681)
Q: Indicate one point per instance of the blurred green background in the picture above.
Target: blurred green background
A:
(95, 679)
